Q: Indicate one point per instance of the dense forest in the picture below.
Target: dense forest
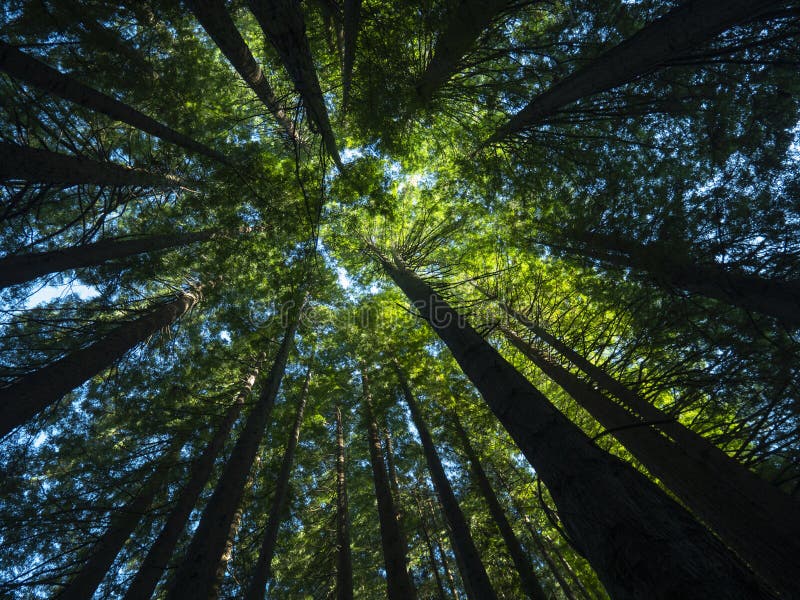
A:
(449, 299)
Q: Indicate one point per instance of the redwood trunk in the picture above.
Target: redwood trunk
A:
(344, 559)
(431, 553)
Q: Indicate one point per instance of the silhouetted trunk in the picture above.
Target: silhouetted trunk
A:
(763, 539)
(451, 581)
(35, 73)
(157, 559)
(32, 393)
(465, 23)
(35, 165)
(530, 583)
(344, 559)
(215, 19)
(123, 524)
(690, 24)
(394, 482)
(198, 574)
(473, 574)
(431, 553)
(262, 571)
(398, 582)
(283, 24)
(352, 22)
(640, 542)
(19, 268)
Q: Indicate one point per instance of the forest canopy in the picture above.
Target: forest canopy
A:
(483, 299)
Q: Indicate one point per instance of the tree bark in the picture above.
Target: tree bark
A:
(262, 571)
(215, 19)
(32, 393)
(36, 165)
(530, 583)
(35, 73)
(19, 268)
(640, 542)
(198, 575)
(398, 582)
(690, 24)
(473, 573)
(344, 559)
(157, 559)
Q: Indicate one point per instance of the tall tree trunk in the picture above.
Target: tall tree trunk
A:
(640, 542)
(215, 19)
(473, 573)
(31, 394)
(394, 481)
(465, 23)
(123, 524)
(530, 583)
(344, 559)
(157, 559)
(35, 73)
(36, 165)
(451, 581)
(398, 581)
(763, 539)
(351, 24)
(688, 25)
(262, 571)
(283, 24)
(431, 553)
(20, 268)
(198, 576)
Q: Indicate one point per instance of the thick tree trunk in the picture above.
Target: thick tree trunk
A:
(198, 576)
(35, 73)
(398, 583)
(283, 24)
(351, 24)
(19, 268)
(215, 19)
(344, 559)
(640, 542)
(690, 24)
(157, 559)
(530, 583)
(466, 22)
(262, 570)
(473, 573)
(35, 165)
(31, 394)
(765, 540)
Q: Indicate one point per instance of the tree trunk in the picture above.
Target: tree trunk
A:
(157, 559)
(35, 73)
(20, 268)
(530, 583)
(473, 574)
(283, 24)
(398, 582)
(32, 393)
(690, 24)
(431, 553)
(451, 581)
(344, 559)
(262, 571)
(198, 576)
(640, 542)
(394, 481)
(35, 165)
(762, 539)
(215, 19)
(351, 24)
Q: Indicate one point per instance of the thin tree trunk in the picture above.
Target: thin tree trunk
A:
(35, 73)
(19, 268)
(763, 539)
(394, 481)
(640, 542)
(36, 165)
(283, 24)
(157, 559)
(344, 559)
(398, 582)
(431, 553)
(530, 583)
(690, 24)
(473, 573)
(31, 394)
(451, 581)
(262, 571)
(198, 576)
(351, 24)
(215, 19)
